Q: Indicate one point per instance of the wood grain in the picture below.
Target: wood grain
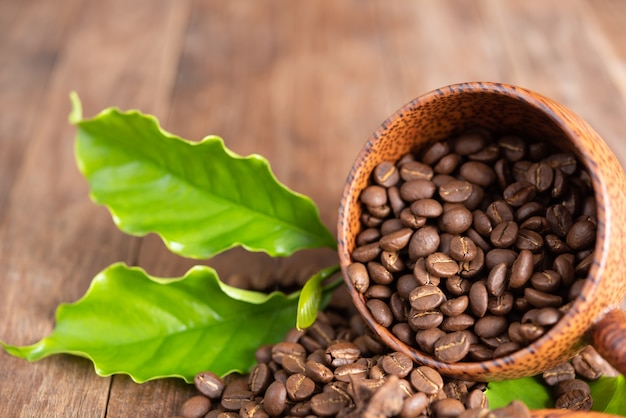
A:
(302, 83)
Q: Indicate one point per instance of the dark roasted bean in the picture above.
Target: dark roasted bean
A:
(428, 208)
(359, 277)
(588, 364)
(504, 234)
(540, 175)
(458, 322)
(452, 347)
(478, 173)
(386, 174)
(447, 164)
(564, 161)
(392, 261)
(528, 210)
(456, 220)
(380, 311)
(499, 211)
(426, 298)
(478, 299)
(327, 404)
(455, 191)
(367, 236)
(529, 240)
(426, 338)
(378, 273)
(462, 248)
(415, 170)
(341, 353)
(542, 299)
(299, 387)
(546, 281)
(518, 193)
(497, 280)
(404, 333)
(501, 305)
(367, 252)
(560, 220)
(564, 371)
(397, 363)
(396, 240)
(196, 406)
(490, 326)
(424, 242)
(581, 235)
(434, 152)
(513, 147)
(318, 372)
(521, 270)
(417, 189)
(470, 142)
(441, 265)
(500, 255)
(209, 384)
(374, 196)
(454, 307)
(424, 319)
(426, 380)
(481, 223)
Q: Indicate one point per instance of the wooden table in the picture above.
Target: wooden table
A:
(302, 83)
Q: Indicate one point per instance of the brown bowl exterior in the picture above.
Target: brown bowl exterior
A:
(502, 109)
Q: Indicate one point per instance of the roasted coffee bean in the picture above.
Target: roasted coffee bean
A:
(452, 347)
(458, 285)
(328, 404)
(528, 210)
(455, 191)
(462, 248)
(489, 154)
(397, 363)
(454, 307)
(540, 175)
(284, 348)
(374, 196)
(441, 265)
(522, 269)
(458, 322)
(359, 277)
(555, 245)
(415, 170)
(541, 299)
(588, 364)
(414, 405)
(497, 280)
(470, 142)
(575, 289)
(519, 170)
(380, 311)
(481, 223)
(447, 164)
(392, 261)
(501, 305)
(379, 212)
(574, 400)
(529, 240)
(260, 378)
(209, 384)
(476, 399)
(422, 275)
(564, 266)
(405, 284)
(414, 190)
(404, 333)
(505, 349)
(538, 224)
(367, 236)
(395, 200)
(299, 387)
(569, 385)
(398, 306)
(378, 273)
(441, 179)
(478, 298)
(367, 252)
(515, 409)
(500, 255)
(470, 269)
(530, 332)
(410, 220)
(564, 371)
(387, 400)
(518, 193)
(425, 319)
(424, 242)
(566, 162)
(504, 234)
(396, 240)
(391, 225)
(546, 281)
(503, 173)
(386, 174)
(456, 220)
(426, 338)
(426, 298)
(195, 407)
(560, 220)
(341, 353)
(318, 372)
(477, 173)
(428, 208)
(544, 316)
(434, 152)
(293, 363)
(447, 408)
(479, 352)
(513, 147)
(234, 396)
(582, 235)
(347, 372)
(426, 380)
(490, 326)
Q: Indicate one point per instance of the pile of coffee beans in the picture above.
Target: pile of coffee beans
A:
(337, 368)
(474, 247)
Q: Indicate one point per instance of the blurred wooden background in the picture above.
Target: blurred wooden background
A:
(302, 83)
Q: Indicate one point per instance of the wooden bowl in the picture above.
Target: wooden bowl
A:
(594, 316)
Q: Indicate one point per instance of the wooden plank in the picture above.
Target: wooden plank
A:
(53, 240)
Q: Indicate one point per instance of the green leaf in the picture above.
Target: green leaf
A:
(609, 395)
(530, 390)
(311, 297)
(129, 322)
(199, 197)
